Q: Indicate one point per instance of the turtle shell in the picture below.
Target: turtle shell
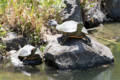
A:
(26, 50)
(68, 27)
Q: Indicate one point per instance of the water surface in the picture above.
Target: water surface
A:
(42, 72)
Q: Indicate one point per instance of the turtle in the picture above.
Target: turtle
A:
(70, 29)
(30, 55)
(26, 51)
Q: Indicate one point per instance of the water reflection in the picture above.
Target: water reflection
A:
(93, 74)
(52, 74)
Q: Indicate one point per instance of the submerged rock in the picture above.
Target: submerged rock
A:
(113, 9)
(76, 54)
(13, 41)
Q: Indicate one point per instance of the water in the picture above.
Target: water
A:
(42, 72)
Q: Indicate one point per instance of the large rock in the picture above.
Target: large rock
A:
(93, 16)
(76, 54)
(113, 9)
(13, 41)
(72, 11)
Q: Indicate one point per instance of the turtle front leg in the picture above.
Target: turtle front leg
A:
(63, 39)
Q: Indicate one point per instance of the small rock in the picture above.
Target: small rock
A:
(11, 35)
(14, 59)
(13, 41)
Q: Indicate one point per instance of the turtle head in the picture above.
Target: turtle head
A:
(33, 51)
(52, 22)
(80, 23)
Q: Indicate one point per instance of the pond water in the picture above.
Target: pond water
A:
(109, 35)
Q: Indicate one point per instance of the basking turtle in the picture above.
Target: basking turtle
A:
(71, 29)
(26, 51)
(30, 55)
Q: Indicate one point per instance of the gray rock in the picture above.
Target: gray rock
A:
(94, 16)
(113, 9)
(13, 41)
(1, 58)
(72, 11)
(14, 59)
(76, 54)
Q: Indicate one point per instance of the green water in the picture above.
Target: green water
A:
(42, 72)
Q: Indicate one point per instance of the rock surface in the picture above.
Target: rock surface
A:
(76, 54)
(13, 41)
(16, 62)
(113, 9)
(72, 11)
(1, 58)
(94, 16)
